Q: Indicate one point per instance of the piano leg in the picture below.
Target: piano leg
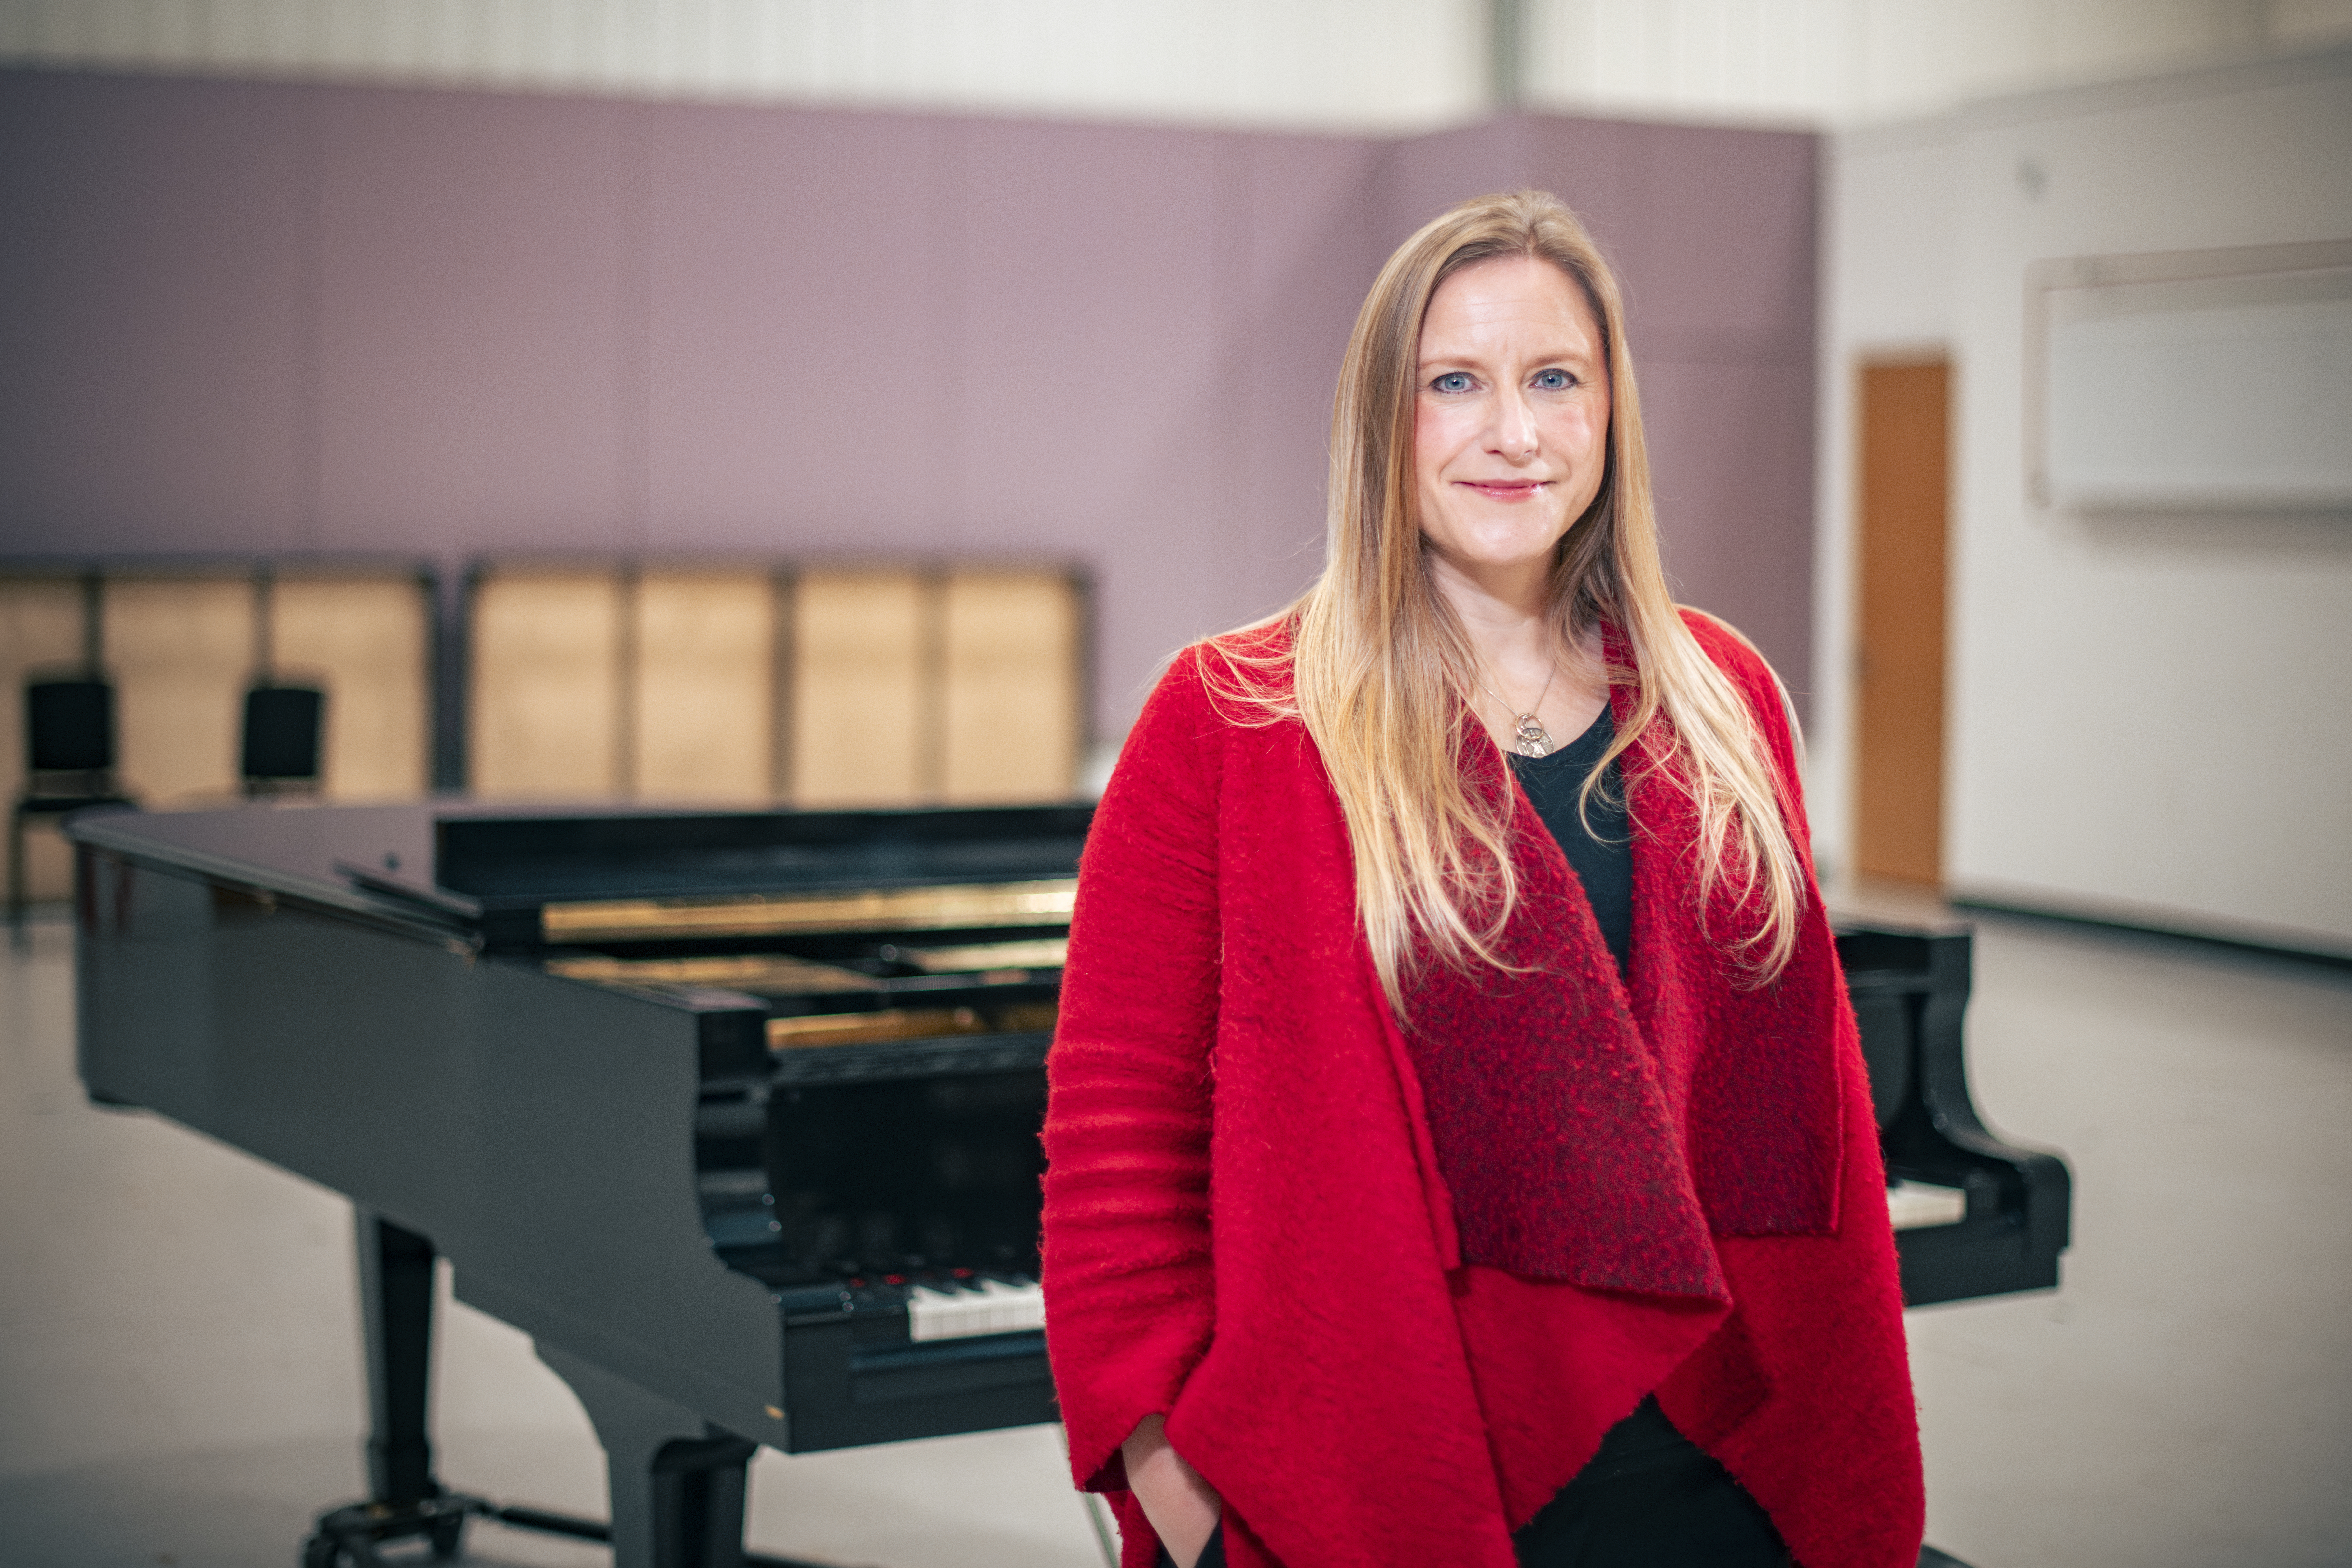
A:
(396, 1297)
(406, 1501)
(677, 1482)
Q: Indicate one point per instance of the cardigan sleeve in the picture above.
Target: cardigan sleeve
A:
(1126, 1271)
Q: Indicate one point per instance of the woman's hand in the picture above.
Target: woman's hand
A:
(1182, 1507)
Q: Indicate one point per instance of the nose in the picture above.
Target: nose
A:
(1513, 435)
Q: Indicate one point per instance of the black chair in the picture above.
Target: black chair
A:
(282, 731)
(69, 766)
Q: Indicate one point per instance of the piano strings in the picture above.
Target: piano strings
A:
(760, 973)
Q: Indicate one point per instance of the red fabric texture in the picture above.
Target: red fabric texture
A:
(1260, 1191)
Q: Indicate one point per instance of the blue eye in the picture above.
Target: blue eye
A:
(1452, 381)
(1554, 380)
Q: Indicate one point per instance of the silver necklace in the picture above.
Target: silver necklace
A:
(1533, 739)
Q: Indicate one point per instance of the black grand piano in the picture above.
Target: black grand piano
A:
(734, 1114)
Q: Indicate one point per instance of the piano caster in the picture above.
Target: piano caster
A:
(348, 1537)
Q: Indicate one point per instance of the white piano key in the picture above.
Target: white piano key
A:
(982, 1307)
(1915, 1205)
(930, 1313)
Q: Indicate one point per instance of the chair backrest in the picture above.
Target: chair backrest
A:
(69, 727)
(282, 726)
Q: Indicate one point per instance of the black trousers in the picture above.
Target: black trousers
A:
(1650, 1499)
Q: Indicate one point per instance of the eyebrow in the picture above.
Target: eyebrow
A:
(1559, 356)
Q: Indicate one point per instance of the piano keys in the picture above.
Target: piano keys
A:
(735, 1114)
(1922, 1205)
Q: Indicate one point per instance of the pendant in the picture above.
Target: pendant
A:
(1535, 741)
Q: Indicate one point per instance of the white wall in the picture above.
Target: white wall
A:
(2150, 716)
(2098, 663)
(1850, 62)
(1345, 64)
(1351, 64)
(1889, 275)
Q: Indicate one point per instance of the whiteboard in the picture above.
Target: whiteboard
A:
(2202, 393)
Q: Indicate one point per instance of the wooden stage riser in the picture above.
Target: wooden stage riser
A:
(821, 688)
(875, 686)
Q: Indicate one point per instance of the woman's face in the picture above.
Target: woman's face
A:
(1511, 417)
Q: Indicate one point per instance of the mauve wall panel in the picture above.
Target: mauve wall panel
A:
(1577, 160)
(1719, 247)
(1584, 162)
(1088, 315)
(477, 382)
(153, 256)
(1732, 463)
(800, 365)
(1314, 217)
(1430, 173)
(244, 316)
(1718, 242)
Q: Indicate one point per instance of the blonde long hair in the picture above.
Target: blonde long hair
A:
(1378, 665)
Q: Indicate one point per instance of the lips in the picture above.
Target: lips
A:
(1504, 489)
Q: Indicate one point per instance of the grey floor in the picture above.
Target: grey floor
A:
(180, 1388)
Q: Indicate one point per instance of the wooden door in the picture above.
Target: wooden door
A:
(1900, 662)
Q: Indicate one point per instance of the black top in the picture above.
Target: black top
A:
(1602, 858)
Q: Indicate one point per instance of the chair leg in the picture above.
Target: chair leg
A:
(16, 877)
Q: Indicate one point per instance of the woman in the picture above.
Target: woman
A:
(1459, 1150)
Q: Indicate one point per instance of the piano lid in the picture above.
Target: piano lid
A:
(584, 879)
(573, 856)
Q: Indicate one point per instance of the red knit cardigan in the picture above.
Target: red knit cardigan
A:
(1248, 1225)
